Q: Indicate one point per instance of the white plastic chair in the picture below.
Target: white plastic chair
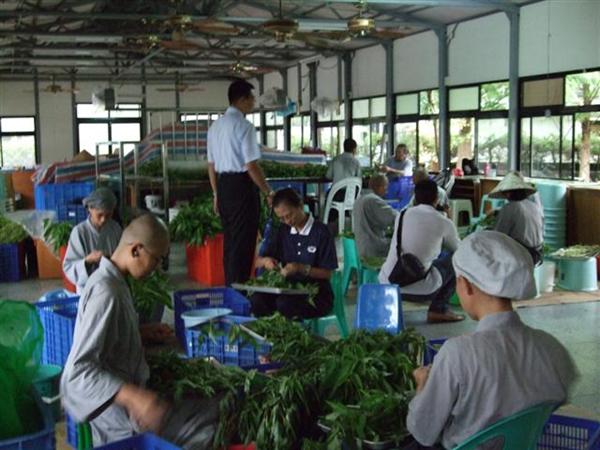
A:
(353, 187)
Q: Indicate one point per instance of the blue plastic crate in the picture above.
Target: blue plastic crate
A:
(58, 312)
(431, 349)
(236, 353)
(41, 440)
(570, 433)
(71, 427)
(401, 190)
(12, 262)
(55, 197)
(189, 299)
(75, 213)
(146, 441)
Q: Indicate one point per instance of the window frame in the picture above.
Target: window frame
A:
(19, 133)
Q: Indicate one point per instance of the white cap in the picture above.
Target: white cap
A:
(496, 264)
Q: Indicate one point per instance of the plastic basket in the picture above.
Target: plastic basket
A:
(55, 197)
(146, 441)
(401, 190)
(236, 353)
(569, 433)
(75, 213)
(205, 262)
(189, 299)
(12, 262)
(58, 311)
(431, 349)
(41, 440)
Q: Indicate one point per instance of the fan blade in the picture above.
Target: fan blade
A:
(388, 33)
(217, 27)
(181, 45)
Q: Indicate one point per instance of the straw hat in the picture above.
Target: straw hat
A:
(513, 181)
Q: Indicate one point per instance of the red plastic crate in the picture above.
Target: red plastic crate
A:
(66, 283)
(205, 263)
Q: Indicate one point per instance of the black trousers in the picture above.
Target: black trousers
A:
(239, 208)
(293, 307)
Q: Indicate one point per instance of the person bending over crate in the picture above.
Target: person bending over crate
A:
(303, 250)
(504, 366)
(93, 238)
(103, 379)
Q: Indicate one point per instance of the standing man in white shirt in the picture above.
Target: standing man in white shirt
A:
(235, 179)
(425, 233)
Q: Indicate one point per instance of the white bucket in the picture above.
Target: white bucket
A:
(544, 276)
(152, 201)
(173, 213)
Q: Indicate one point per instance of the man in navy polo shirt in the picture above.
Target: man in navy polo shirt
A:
(303, 250)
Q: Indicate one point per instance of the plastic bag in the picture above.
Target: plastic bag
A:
(21, 340)
(32, 220)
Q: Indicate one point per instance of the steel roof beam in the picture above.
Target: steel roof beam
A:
(500, 4)
(162, 60)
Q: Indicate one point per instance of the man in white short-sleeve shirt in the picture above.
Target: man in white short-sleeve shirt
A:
(235, 179)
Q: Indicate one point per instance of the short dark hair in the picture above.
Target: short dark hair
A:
(350, 145)
(517, 195)
(403, 147)
(239, 89)
(426, 192)
(288, 196)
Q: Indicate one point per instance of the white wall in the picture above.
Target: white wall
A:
(327, 76)
(415, 62)
(56, 125)
(368, 72)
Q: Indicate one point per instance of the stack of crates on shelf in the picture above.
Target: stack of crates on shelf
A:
(12, 262)
(65, 199)
(145, 441)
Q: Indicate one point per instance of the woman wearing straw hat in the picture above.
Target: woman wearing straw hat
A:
(522, 220)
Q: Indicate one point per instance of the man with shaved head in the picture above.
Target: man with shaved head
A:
(104, 377)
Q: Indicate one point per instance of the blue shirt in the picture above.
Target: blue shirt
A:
(313, 245)
(231, 142)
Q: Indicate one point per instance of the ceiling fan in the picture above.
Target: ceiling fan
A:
(364, 26)
(54, 88)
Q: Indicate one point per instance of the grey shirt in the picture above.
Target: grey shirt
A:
(343, 166)
(442, 199)
(480, 378)
(522, 221)
(84, 239)
(371, 216)
(405, 165)
(106, 353)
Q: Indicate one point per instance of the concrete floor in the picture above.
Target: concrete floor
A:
(575, 325)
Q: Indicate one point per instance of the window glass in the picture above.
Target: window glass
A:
(125, 132)
(272, 139)
(270, 118)
(341, 115)
(328, 140)
(582, 89)
(90, 111)
(378, 143)
(567, 147)
(306, 140)
(429, 144)
(194, 117)
(407, 104)
(525, 155)
(545, 147)
(17, 125)
(378, 107)
(126, 110)
(543, 92)
(429, 102)
(494, 96)
(406, 133)
(463, 99)
(360, 109)
(361, 134)
(587, 145)
(462, 140)
(296, 133)
(492, 145)
(18, 151)
(278, 119)
(92, 133)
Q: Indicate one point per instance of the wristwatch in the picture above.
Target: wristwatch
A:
(306, 270)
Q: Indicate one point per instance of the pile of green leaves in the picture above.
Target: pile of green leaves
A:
(365, 380)
(274, 279)
(374, 262)
(150, 292)
(11, 232)
(196, 222)
(578, 251)
(154, 169)
(488, 222)
(274, 169)
(57, 233)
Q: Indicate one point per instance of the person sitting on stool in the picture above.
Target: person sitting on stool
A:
(303, 250)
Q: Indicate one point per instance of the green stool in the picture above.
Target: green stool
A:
(370, 275)
(521, 430)
(84, 437)
(454, 300)
(351, 263)
(46, 383)
(319, 325)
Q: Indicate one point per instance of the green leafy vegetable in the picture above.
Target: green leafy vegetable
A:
(274, 279)
(11, 232)
(578, 251)
(150, 292)
(196, 222)
(57, 233)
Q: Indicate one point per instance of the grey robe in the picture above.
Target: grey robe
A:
(83, 241)
(371, 216)
(480, 378)
(107, 353)
(523, 221)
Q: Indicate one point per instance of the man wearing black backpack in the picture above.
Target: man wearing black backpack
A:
(425, 245)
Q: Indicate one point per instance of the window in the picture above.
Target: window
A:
(582, 89)
(543, 92)
(331, 131)
(407, 104)
(429, 102)
(122, 124)
(274, 130)
(17, 142)
(494, 96)
(368, 130)
(464, 99)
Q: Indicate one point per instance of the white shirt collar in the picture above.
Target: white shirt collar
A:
(233, 110)
(305, 231)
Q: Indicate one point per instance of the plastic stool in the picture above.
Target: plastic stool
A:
(379, 306)
(577, 274)
(454, 300)
(521, 430)
(458, 208)
(351, 263)
(370, 275)
(319, 325)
